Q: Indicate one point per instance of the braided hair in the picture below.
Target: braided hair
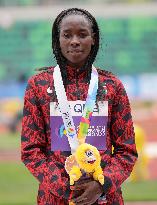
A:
(61, 61)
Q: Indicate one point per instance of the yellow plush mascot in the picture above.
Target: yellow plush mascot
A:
(88, 160)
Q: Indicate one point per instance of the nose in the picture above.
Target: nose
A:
(75, 41)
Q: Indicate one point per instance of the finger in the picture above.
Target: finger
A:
(82, 183)
(80, 199)
(86, 202)
(79, 186)
(93, 201)
(89, 201)
(83, 203)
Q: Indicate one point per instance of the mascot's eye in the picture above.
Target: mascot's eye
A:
(89, 153)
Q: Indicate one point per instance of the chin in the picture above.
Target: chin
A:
(76, 61)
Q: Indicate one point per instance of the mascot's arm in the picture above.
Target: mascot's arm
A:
(74, 174)
(98, 175)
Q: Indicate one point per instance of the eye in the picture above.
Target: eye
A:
(83, 35)
(66, 35)
(89, 153)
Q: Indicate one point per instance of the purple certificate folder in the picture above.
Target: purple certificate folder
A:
(96, 133)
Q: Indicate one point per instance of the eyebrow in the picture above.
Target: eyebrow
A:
(68, 30)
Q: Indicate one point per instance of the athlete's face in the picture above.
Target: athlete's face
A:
(76, 39)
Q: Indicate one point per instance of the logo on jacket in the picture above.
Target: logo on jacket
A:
(49, 90)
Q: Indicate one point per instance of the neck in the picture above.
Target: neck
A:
(77, 66)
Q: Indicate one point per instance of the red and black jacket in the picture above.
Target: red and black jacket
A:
(48, 166)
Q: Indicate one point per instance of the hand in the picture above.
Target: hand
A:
(84, 179)
(92, 190)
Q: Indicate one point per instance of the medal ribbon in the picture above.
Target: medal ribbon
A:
(64, 107)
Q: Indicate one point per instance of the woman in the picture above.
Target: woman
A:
(75, 43)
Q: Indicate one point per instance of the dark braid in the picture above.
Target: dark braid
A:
(61, 61)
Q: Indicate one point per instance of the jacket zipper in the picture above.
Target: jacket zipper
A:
(77, 85)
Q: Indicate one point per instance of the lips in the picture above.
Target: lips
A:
(74, 51)
(91, 162)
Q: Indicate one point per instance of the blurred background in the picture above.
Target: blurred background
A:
(128, 48)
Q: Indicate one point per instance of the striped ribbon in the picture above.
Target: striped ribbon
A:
(64, 107)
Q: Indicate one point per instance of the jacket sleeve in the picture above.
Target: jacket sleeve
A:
(33, 147)
(122, 160)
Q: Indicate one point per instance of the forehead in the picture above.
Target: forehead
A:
(75, 21)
